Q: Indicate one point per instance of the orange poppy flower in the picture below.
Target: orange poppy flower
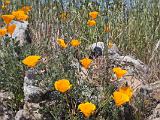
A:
(91, 23)
(20, 15)
(87, 108)
(26, 9)
(123, 95)
(126, 90)
(119, 72)
(62, 85)
(8, 18)
(3, 32)
(61, 43)
(86, 62)
(17, 13)
(93, 14)
(75, 43)
(120, 98)
(31, 61)
(11, 28)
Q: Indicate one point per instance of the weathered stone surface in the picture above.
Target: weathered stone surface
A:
(133, 82)
(34, 95)
(134, 66)
(6, 113)
(30, 111)
(113, 50)
(153, 90)
(5, 95)
(156, 114)
(32, 92)
(20, 31)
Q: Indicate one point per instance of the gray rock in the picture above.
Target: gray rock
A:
(130, 63)
(32, 92)
(113, 50)
(20, 32)
(33, 95)
(134, 66)
(153, 90)
(6, 95)
(156, 114)
(6, 113)
(30, 111)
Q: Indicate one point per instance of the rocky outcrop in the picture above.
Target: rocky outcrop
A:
(21, 33)
(33, 95)
(156, 114)
(133, 65)
(30, 111)
(6, 113)
(32, 92)
(152, 90)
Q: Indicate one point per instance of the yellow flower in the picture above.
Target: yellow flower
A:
(93, 14)
(86, 62)
(87, 108)
(126, 90)
(120, 98)
(20, 15)
(62, 85)
(75, 43)
(119, 72)
(91, 23)
(123, 95)
(11, 28)
(31, 61)
(7, 18)
(61, 43)
(3, 32)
